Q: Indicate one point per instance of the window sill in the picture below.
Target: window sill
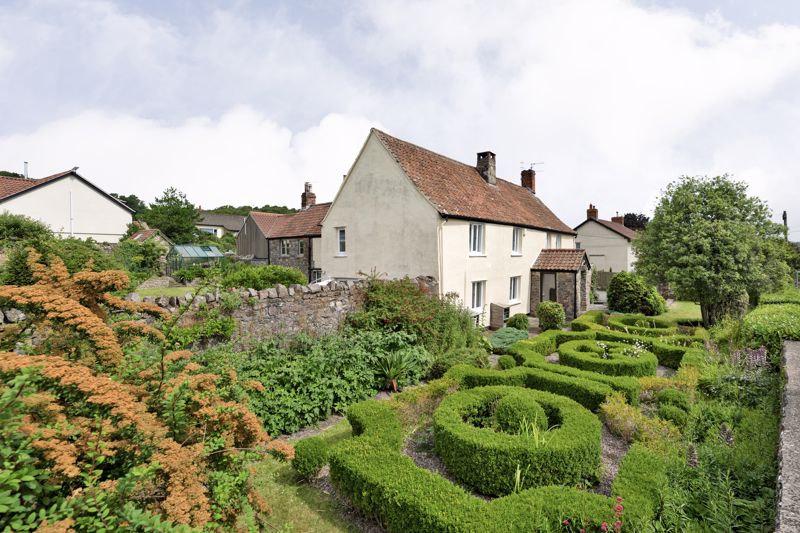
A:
(514, 302)
(477, 254)
(516, 254)
(340, 255)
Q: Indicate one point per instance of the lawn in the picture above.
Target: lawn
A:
(165, 291)
(682, 311)
(299, 507)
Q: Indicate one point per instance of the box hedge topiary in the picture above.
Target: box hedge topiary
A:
(611, 358)
(551, 315)
(518, 321)
(674, 414)
(516, 412)
(310, 455)
(673, 397)
(506, 361)
(642, 325)
(629, 293)
(487, 460)
(380, 481)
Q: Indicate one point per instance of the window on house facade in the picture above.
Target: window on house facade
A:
(549, 240)
(577, 245)
(516, 241)
(476, 244)
(558, 241)
(341, 238)
(316, 275)
(478, 290)
(285, 246)
(301, 247)
(513, 289)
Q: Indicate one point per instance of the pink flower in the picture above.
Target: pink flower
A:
(603, 527)
(619, 499)
(617, 525)
(618, 509)
(565, 522)
(582, 530)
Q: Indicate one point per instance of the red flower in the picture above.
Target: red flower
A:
(618, 509)
(603, 527)
(617, 525)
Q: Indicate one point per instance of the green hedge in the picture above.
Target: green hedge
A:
(486, 460)
(630, 293)
(642, 325)
(506, 361)
(551, 315)
(516, 412)
(310, 455)
(669, 350)
(591, 320)
(770, 326)
(381, 482)
(787, 296)
(611, 358)
(518, 321)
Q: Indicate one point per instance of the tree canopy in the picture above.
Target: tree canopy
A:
(713, 243)
(244, 210)
(636, 221)
(132, 201)
(174, 215)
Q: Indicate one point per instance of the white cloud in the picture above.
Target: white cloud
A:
(615, 98)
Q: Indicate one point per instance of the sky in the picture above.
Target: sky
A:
(241, 102)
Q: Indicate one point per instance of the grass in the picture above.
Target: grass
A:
(165, 291)
(682, 311)
(299, 507)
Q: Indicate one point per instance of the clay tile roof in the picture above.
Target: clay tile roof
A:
(144, 234)
(9, 186)
(620, 229)
(229, 222)
(458, 190)
(305, 223)
(562, 259)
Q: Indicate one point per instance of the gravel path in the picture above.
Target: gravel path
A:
(613, 450)
(552, 358)
(664, 372)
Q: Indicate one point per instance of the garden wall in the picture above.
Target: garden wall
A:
(788, 515)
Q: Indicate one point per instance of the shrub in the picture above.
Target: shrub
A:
(488, 461)
(612, 358)
(629, 293)
(641, 325)
(310, 455)
(673, 414)
(76, 254)
(551, 315)
(631, 424)
(440, 324)
(262, 277)
(139, 257)
(505, 337)
(518, 321)
(770, 326)
(590, 320)
(787, 296)
(190, 273)
(475, 356)
(673, 397)
(506, 361)
(516, 412)
(20, 228)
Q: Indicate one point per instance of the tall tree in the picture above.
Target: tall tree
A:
(636, 221)
(132, 201)
(712, 243)
(174, 215)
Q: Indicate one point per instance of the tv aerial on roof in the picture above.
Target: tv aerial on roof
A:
(529, 166)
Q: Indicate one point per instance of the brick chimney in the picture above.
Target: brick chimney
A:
(528, 179)
(486, 166)
(618, 219)
(592, 212)
(308, 198)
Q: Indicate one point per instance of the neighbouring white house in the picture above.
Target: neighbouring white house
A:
(218, 224)
(403, 210)
(69, 203)
(609, 243)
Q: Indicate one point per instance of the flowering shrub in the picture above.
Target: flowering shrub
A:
(100, 440)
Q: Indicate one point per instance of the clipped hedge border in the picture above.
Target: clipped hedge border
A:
(628, 324)
(310, 455)
(486, 460)
(380, 481)
(586, 355)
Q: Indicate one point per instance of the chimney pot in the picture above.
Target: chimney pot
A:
(592, 212)
(308, 198)
(528, 179)
(486, 166)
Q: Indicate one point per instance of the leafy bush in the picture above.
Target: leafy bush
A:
(518, 321)
(506, 361)
(787, 296)
(631, 424)
(190, 273)
(20, 228)
(673, 397)
(310, 455)
(505, 337)
(76, 254)
(515, 412)
(673, 414)
(440, 324)
(210, 325)
(402, 366)
(139, 257)
(770, 326)
(263, 276)
(551, 315)
(629, 293)
(642, 325)
(475, 356)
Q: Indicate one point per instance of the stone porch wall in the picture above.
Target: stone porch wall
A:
(788, 515)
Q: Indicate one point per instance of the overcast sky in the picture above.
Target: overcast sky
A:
(241, 102)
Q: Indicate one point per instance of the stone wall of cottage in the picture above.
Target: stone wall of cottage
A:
(294, 259)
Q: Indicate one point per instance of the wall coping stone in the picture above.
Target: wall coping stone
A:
(787, 518)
